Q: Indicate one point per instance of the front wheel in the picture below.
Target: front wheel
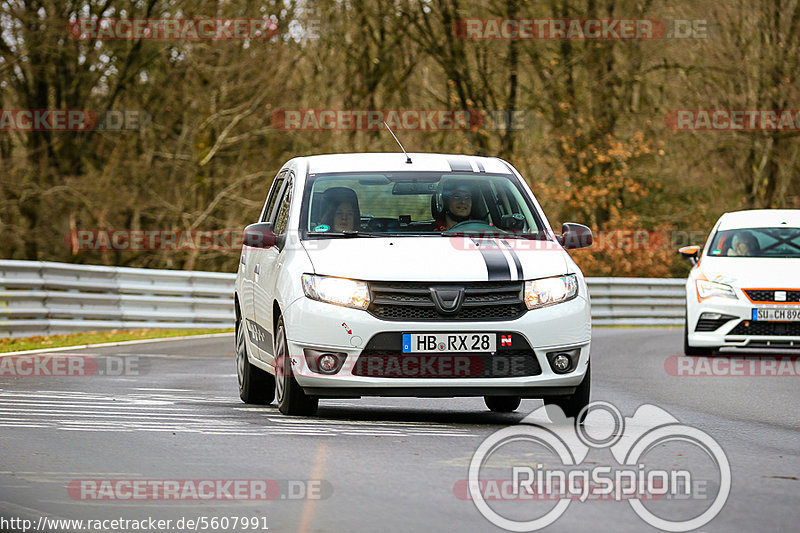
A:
(291, 398)
(502, 404)
(574, 405)
(255, 385)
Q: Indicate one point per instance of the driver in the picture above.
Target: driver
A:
(456, 201)
(744, 244)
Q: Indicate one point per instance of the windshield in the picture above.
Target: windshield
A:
(417, 203)
(757, 242)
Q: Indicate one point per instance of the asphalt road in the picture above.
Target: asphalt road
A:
(169, 412)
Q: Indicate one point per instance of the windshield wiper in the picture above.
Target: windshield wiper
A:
(354, 233)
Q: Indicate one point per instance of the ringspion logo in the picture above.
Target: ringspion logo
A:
(545, 458)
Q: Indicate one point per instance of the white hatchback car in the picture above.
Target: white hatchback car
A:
(429, 276)
(744, 290)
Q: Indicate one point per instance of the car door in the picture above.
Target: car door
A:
(268, 262)
(248, 262)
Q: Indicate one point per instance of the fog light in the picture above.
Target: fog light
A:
(321, 362)
(328, 363)
(564, 361)
(561, 363)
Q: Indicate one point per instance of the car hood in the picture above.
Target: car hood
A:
(753, 272)
(435, 258)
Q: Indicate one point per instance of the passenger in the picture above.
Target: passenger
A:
(454, 206)
(341, 209)
(744, 244)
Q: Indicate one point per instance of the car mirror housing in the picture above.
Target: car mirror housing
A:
(690, 253)
(575, 236)
(259, 235)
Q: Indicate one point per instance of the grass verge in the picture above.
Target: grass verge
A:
(97, 337)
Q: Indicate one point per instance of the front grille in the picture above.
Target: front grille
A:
(768, 295)
(411, 301)
(772, 329)
(383, 357)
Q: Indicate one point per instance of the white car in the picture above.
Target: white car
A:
(744, 289)
(425, 275)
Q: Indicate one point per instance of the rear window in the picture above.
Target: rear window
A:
(757, 242)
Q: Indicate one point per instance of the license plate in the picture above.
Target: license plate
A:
(779, 314)
(449, 342)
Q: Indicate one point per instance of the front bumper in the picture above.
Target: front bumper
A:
(321, 327)
(740, 331)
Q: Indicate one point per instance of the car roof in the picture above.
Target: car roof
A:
(760, 218)
(396, 162)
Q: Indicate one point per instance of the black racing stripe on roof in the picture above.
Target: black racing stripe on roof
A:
(459, 164)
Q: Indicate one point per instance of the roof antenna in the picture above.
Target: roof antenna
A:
(408, 159)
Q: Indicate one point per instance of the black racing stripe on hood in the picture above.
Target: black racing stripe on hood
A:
(515, 257)
(496, 264)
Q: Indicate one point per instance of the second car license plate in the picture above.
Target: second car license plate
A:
(779, 314)
(449, 342)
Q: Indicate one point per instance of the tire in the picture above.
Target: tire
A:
(255, 385)
(502, 404)
(573, 405)
(291, 398)
(692, 350)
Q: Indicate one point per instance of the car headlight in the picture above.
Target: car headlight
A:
(707, 289)
(337, 291)
(546, 291)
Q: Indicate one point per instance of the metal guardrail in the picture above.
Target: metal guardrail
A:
(39, 298)
(637, 301)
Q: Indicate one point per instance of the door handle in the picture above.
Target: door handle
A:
(257, 270)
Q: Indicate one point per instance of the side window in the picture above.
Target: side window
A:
(272, 197)
(282, 217)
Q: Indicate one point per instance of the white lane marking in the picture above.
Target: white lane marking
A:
(164, 390)
(174, 410)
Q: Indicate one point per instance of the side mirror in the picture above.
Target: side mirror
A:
(690, 253)
(575, 236)
(259, 235)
